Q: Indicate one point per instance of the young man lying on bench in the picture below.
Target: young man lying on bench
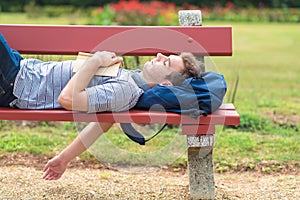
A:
(34, 84)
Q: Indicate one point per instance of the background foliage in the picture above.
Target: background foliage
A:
(19, 5)
(135, 12)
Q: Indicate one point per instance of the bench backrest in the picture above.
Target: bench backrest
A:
(124, 40)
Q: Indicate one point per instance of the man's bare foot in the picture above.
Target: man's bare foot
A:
(54, 168)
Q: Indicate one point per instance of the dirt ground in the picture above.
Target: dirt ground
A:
(22, 180)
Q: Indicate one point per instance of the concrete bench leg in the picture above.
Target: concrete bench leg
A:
(200, 166)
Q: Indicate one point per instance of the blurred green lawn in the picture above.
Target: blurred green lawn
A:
(266, 58)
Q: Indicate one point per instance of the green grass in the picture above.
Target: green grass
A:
(43, 139)
(22, 18)
(237, 147)
(232, 146)
(265, 58)
(166, 148)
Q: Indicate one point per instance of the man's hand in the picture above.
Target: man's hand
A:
(73, 96)
(54, 169)
(105, 58)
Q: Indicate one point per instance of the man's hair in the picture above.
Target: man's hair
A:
(192, 69)
(191, 66)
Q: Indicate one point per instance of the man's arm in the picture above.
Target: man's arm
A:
(55, 167)
(74, 96)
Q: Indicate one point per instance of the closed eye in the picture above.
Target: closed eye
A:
(167, 62)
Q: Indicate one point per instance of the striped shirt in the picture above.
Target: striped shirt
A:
(38, 85)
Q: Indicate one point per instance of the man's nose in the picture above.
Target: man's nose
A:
(160, 57)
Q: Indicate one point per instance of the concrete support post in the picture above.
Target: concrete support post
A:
(200, 166)
(200, 148)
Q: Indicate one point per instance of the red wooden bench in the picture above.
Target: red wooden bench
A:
(136, 40)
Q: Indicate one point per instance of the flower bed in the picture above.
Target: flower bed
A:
(134, 12)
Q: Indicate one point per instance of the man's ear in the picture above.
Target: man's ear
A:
(166, 83)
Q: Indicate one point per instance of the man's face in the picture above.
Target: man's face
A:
(161, 66)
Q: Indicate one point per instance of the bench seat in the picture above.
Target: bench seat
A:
(225, 115)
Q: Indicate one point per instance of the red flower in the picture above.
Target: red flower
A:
(261, 5)
(230, 5)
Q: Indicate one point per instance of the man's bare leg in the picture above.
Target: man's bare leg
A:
(55, 167)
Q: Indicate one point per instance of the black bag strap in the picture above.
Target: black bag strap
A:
(135, 135)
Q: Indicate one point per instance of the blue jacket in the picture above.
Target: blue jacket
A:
(196, 96)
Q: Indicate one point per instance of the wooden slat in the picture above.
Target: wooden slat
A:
(228, 117)
(129, 40)
(198, 129)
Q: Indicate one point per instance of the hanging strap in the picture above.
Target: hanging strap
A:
(135, 135)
